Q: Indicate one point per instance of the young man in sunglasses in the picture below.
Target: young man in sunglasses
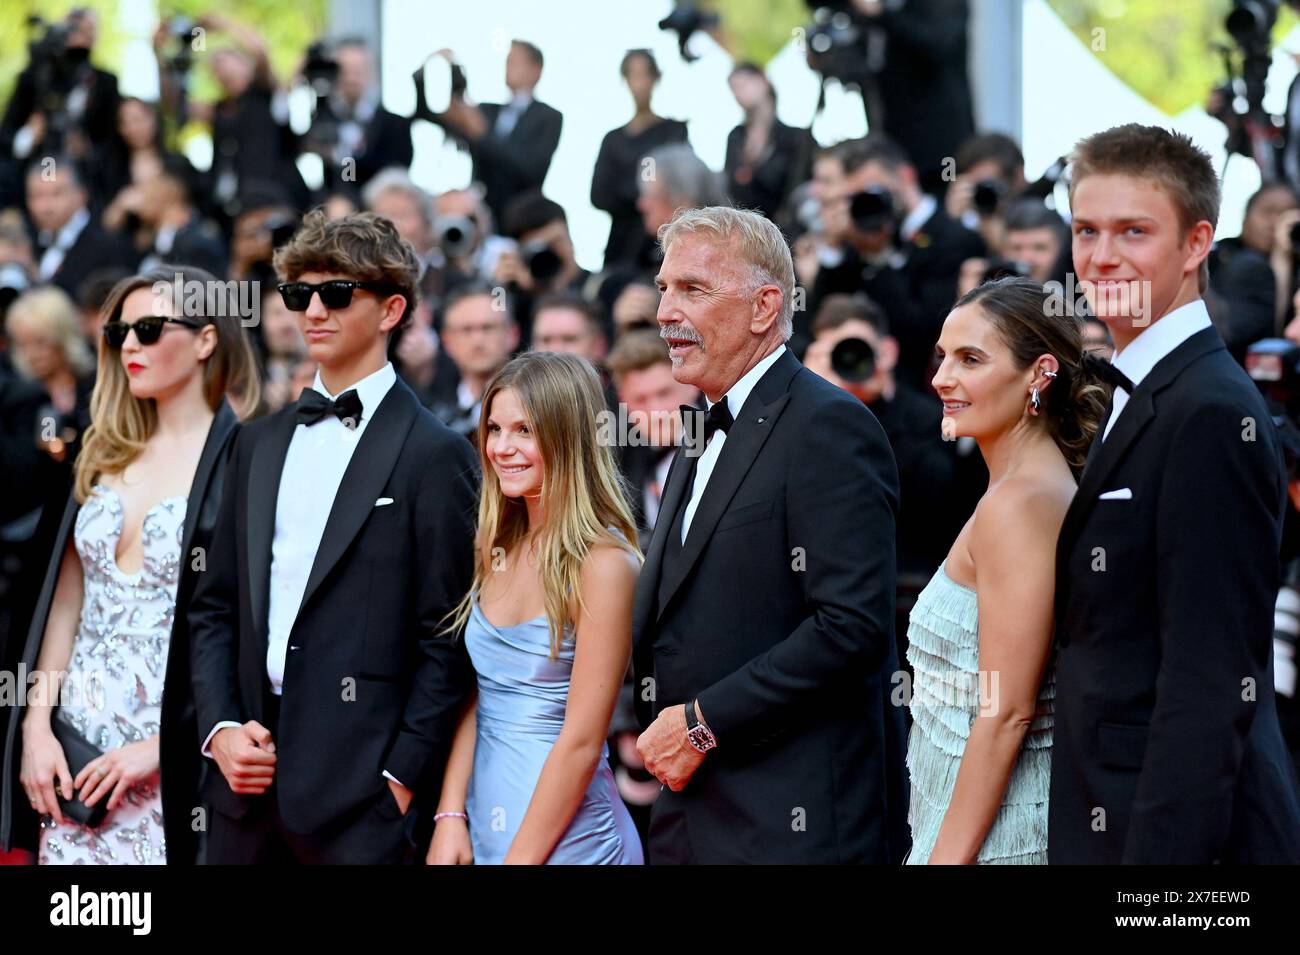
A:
(326, 698)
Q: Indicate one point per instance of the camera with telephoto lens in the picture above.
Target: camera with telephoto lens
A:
(456, 236)
(438, 81)
(853, 359)
(542, 262)
(872, 209)
(988, 196)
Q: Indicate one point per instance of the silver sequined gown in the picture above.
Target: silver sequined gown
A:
(113, 691)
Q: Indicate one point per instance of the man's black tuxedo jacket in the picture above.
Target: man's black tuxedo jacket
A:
(519, 162)
(780, 617)
(368, 685)
(96, 248)
(1167, 747)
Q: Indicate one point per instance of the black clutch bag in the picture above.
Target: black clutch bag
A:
(78, 751)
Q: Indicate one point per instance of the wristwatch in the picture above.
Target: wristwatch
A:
(697, 734)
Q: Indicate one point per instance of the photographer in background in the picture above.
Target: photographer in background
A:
(853, 349)
(896, 244)
(1253, 273)
(511, 143)
(990, 173)
(544, 261)
(61, 103)
(248, 143)
(921, 90)
(266, 219)
(1035, 243)
(351, 122)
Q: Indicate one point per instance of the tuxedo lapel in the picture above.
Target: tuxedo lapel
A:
(1104, 457)
(746, 438)
(264, 471)
(367, 473)
(674, 497)
(218, 433)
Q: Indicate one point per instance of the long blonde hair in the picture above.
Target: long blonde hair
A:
(583, 493)
(122, 424)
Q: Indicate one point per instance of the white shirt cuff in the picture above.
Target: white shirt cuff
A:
(220, 726)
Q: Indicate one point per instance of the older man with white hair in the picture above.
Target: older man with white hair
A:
(763, 626)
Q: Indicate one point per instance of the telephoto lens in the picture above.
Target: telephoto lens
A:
(853, 359)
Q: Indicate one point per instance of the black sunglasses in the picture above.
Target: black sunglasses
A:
(336, 293)
(147, 329)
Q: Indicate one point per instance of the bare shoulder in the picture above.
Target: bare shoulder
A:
(1031, 505)
(609, 565)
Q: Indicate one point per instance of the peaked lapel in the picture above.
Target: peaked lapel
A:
(367, 473)
(264, 471)
(223, 424)
(675, 491)
(1135, 418)
(745, 439)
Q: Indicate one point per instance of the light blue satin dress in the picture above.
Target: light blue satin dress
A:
(522, 695)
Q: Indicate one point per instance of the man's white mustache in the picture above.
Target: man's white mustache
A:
(683, 333)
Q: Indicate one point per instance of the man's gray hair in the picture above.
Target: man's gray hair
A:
(396, 179)
(683, 176)
(760, 242)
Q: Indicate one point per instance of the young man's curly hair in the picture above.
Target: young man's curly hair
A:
(362, 246)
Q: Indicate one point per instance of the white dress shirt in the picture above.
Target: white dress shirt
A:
(735, 398)
(510, 113)
(60, 243)
(1154, 342)
(918, 217)
(316, 459)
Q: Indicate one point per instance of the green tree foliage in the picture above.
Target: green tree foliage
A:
(1163, 49)
(287, 31)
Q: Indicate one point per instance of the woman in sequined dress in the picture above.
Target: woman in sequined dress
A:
(99, 646)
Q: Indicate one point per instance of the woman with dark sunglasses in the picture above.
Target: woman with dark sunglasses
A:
(107, 718)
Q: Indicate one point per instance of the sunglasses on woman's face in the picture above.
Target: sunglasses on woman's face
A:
(147, 329)
(336, 293)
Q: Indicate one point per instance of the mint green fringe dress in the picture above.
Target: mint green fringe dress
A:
(943, 649)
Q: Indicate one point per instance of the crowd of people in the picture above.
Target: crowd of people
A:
(857, 449)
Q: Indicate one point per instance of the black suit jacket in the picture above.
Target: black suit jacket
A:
(181, 763)
(519, 163)
(95, 248)
(369, 684)
(1167, 747)
(778, 615)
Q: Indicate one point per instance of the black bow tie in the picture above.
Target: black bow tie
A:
(1107, 372)
(717, 418)
(313, 406)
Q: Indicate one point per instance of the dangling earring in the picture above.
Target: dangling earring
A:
(1034, 402)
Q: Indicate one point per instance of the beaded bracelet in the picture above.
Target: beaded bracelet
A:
(454, 815)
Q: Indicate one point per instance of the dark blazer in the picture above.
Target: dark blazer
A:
(199, 243)
(519, 163)
(766, 186)
(369, 685)
(387, 143)
(778, 615)
(179, 756)
(96, 248)
(1167, 747)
